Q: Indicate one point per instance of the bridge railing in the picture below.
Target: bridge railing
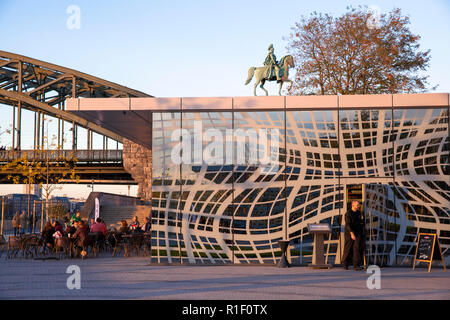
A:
(80, 155)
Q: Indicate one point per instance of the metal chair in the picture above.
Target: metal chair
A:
(120, 244)
(14, 246)
(63, 247)
(147, 243)
(135, 243)
(30, 245)
(3, 244)
(88, 243)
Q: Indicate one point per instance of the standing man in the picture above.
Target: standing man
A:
(16, 223)
(23, 222)
(353, 237)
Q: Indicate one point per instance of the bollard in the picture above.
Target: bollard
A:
(283, 261)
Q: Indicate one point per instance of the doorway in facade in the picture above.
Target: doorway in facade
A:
(375, 201)
(354, 192)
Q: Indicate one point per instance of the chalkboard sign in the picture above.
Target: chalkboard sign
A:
(428, 249)
(425, 245)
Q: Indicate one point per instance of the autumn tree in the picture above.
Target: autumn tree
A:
(57, 211)
(46, 168)
(360, 52)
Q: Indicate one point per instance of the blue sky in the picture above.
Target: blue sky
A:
(189, 48)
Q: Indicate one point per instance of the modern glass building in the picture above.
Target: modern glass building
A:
(232, 176)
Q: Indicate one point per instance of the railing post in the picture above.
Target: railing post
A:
(34, 216)
(3, 213)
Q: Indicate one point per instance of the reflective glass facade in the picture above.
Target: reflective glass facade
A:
(220, 206)
(256, 170)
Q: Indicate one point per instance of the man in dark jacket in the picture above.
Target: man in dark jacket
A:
(353, 237)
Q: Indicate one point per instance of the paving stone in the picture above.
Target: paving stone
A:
(133, 278)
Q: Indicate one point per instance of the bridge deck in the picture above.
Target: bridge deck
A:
(98, 166)
(104, 156)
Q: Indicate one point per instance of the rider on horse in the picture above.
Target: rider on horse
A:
(272, 64)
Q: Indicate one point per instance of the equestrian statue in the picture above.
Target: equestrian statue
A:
(272, 71)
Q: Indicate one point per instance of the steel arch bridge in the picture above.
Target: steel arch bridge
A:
(42, 87)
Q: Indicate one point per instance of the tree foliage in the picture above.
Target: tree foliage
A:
(49, 168)
(57, 211)
(357, 53)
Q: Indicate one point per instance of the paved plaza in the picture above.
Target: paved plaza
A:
(132, 278)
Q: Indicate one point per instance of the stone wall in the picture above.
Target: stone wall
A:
(137, 160)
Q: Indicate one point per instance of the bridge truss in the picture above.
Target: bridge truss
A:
(42, 87)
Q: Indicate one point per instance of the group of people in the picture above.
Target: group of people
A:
(75, 228)
(135, 226)
(21, 221)
(78, 230)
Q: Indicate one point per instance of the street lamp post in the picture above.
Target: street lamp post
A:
(91, 185)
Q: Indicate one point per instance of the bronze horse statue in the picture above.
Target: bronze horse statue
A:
(261, 74)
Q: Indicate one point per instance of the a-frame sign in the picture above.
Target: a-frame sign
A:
(428, 249)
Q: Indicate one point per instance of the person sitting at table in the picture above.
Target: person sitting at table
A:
(135, 225)
(71, 229)
(75, 217)
(47, 234)
(91, 224)
(99, 226)
(66, 222)
(59, 230)
(81, 234)
(124, 227)
(147, 225)
(58, 226)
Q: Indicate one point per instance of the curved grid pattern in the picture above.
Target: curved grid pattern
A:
(235, 213)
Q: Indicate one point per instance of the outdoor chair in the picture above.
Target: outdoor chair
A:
(14, 246)
(147, 244)
(63, 247)
(46, 246)
(89, 244)
(3, 244)
(109, 241)
(120, 244)
(30, 245)
(99, 241)
(135, 243)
